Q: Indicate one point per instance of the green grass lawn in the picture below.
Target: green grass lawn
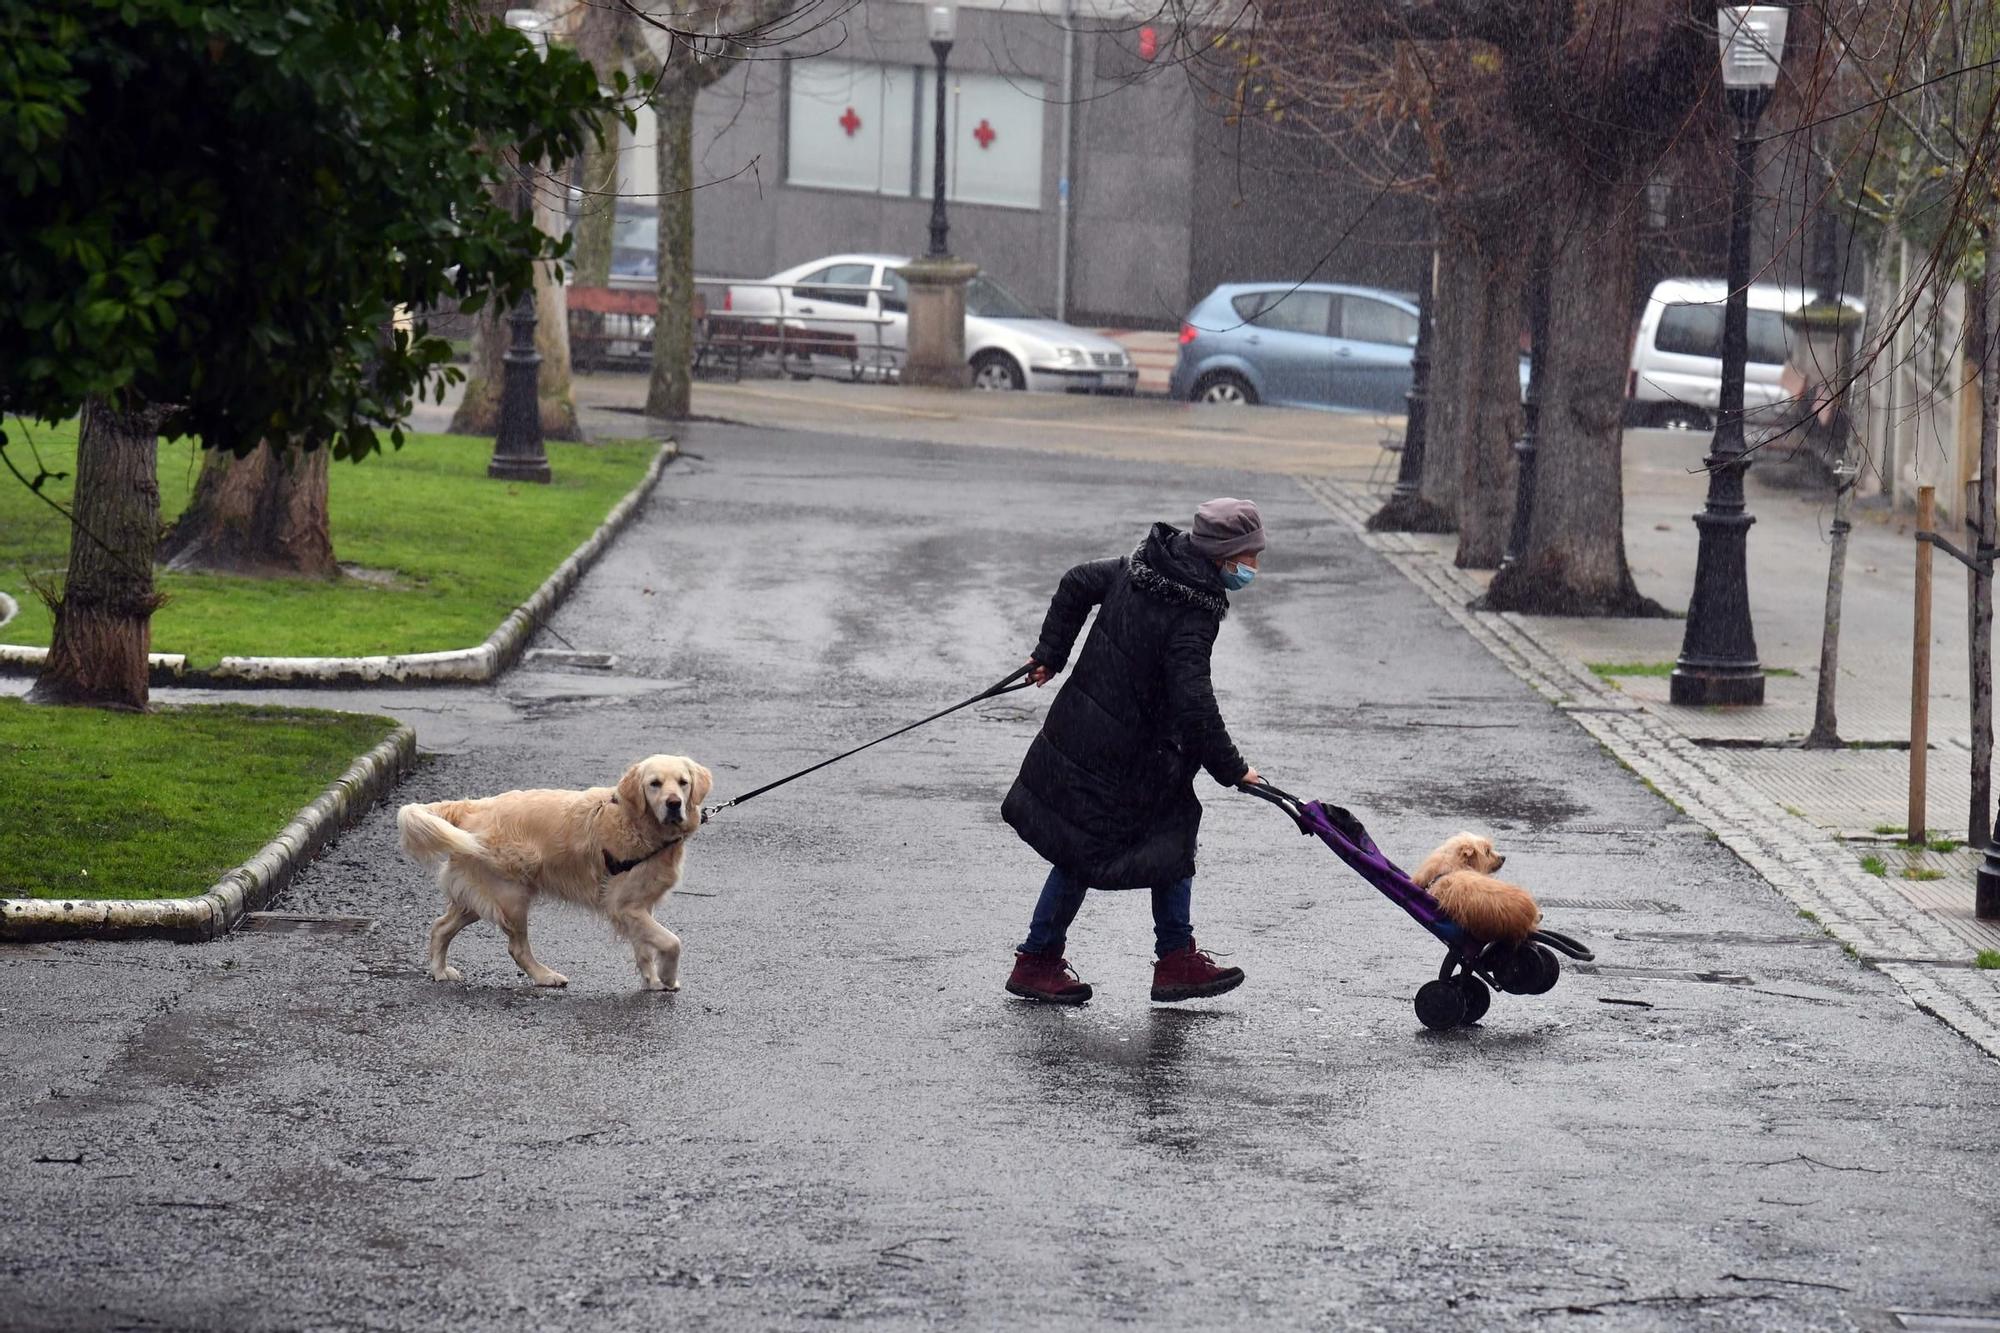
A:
(451, 552)
(97, 804)
(1610, 670)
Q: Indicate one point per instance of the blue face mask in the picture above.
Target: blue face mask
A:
(1237, 577)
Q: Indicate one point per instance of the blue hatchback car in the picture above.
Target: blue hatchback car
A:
(1302, 345)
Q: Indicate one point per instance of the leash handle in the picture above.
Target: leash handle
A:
(1014, 680)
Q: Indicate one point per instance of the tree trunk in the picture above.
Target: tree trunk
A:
(1825, 733)
(1460, 294)
(667, 395)
(592, 255)
(263, 515)
(1979, 824)
(479, 411)
(1491, 411)
(103, 613)
(1574, 564)
(1882, 323)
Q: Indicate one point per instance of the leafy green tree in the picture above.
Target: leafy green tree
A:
(212, 211)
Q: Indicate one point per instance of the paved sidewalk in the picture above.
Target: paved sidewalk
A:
(1152, 351)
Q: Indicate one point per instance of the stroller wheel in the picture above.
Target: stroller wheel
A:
(1514, 969)
(1440, 1005)
(1543, 969)
(1478, 999)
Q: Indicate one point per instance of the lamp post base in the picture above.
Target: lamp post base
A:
(1709, 686)
(1986, 890)
(1718, 658)
(936, 358)
(517, 446)
(519, 469)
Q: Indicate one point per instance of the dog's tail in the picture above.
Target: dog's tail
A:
(429, 838)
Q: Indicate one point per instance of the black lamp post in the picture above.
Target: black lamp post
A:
(1416, 421)
(1718, 661)
(1531, 406)
(517, 445)
(941, 21)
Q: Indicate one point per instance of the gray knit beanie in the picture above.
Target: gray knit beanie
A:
(1226, 528)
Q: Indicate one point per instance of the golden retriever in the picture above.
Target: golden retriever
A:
(1459, 875)
(615, 850)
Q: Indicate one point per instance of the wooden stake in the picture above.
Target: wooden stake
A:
(1920, 671)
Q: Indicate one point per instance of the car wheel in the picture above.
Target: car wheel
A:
(1680, 416)
(997, 370)
(1227, 387)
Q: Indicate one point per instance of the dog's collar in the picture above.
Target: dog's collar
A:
(614, 866)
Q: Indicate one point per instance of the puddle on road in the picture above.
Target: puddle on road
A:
(1662, 974)
(296, 923)
(1488, 797)
(1658, 905)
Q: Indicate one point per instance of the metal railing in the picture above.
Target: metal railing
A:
(806, 330)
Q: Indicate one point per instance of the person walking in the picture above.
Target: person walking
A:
(1106, 792)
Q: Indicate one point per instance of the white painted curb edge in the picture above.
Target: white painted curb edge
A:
(453, 665)
(244, 889)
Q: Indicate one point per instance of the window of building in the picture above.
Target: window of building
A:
(852, 125)
(1287, 311)
(1696, 330)
(993, 138)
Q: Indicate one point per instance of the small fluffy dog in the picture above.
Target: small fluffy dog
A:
(1459, 875)
(615, 850)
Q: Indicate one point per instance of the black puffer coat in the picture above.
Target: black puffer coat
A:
(1107, 789)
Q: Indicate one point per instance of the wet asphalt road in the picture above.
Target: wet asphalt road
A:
(841, 1116)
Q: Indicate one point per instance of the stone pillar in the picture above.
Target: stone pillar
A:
(936, 357)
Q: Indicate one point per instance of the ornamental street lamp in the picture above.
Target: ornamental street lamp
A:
(1405, 501)
(1529, 444)
(1718, 661)
(941, 21)
(517, 445)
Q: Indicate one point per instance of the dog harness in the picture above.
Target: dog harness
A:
(614, 866)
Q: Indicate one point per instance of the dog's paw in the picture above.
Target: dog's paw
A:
(654, 983)
(447, 974)
(552, 980)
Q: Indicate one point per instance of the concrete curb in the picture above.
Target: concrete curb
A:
(244, 889)
(1812, 870)
(450, 666)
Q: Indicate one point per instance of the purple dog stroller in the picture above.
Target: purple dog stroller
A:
(1461, 993)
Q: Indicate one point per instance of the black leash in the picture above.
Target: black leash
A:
(1006, 685)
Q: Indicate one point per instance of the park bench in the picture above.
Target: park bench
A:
(603, 317)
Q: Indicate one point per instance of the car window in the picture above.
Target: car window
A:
(897, 298)
(989, 300)
(1283, 310)
(1696, 330)
(635, 245)
(855, 275)
(1370, 321)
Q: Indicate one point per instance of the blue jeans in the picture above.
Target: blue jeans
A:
(1062, 898)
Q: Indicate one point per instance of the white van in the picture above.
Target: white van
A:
(1676, 375)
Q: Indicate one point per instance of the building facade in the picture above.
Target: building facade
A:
(826, 146)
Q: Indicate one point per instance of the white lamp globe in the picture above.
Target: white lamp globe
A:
(1753, 42)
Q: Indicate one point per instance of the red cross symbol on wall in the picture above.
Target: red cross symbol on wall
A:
(850, 122)
(986, 134)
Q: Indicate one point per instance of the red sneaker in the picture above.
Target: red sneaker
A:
(1190, 974)
(1046, 977)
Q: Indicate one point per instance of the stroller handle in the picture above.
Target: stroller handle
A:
(1277, 796)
